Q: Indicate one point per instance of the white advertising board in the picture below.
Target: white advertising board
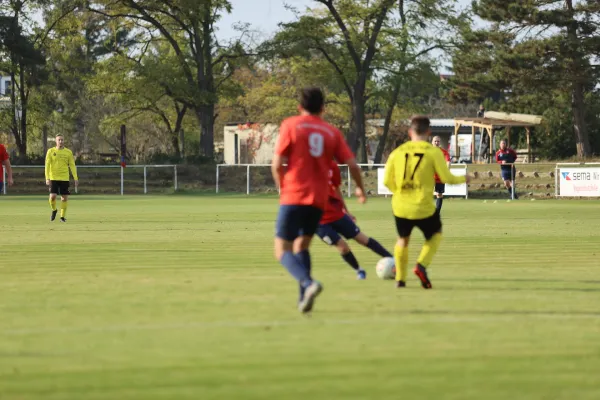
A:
(451, 190)
(579, 182)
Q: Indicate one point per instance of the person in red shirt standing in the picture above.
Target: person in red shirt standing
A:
(506, 157)
(5, 161)
(336, 221)
(307, 144)
(440, 187)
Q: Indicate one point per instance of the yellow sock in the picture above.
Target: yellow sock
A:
(52, 204)
(63, 209)
(430, 247)
(401, 260)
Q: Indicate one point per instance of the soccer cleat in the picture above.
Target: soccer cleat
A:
(421, 272)
(312, 291)
(361, 275)
(400, 284)
(53, 215)
(62, 219)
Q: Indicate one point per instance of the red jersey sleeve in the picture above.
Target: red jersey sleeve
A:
(446, 156)
(342, 151)
(3, 153)
(498, 157)
(282, 147)
(336, 176)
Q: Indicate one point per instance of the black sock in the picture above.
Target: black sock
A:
(378, 248)
(351, 260)
(438, 204)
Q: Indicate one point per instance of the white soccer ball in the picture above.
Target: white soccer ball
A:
(385, 268)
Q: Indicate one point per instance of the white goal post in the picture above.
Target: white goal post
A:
(86, 168)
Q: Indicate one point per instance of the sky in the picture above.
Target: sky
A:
(266, 14)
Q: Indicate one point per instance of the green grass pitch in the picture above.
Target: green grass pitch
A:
(179, 297)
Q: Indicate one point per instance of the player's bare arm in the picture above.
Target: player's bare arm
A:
(278, 168)
(355, 172)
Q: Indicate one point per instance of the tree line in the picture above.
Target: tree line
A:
(159, 67)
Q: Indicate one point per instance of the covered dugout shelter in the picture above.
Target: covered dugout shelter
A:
(493, 121)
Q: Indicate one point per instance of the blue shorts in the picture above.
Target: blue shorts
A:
(507, 176)
(297, 220)
(330, 233)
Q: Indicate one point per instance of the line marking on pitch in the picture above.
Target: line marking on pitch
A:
(284, 323)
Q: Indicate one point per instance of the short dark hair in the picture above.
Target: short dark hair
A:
(312, 99)
(420, 124)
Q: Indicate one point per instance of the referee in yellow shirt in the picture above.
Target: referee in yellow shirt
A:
(409, 174)
(59, 160)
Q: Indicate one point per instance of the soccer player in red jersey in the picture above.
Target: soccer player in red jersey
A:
(440, 187)
(5, 161)
(305, 147)
(336, 221)
(506, 157)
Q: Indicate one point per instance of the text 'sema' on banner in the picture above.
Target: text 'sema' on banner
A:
(579, 182)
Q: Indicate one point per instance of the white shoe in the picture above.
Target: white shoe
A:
(312, 291)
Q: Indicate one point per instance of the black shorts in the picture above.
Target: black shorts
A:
(508, 175)
(330, 233)
(297, 220)
(440, 188)
(59, 187)
(429, 226)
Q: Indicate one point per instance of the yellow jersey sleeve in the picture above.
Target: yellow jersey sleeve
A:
(442, 170)
(389, 179)
(72, 166)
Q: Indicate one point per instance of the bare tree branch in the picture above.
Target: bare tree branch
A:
(342, 25)
(372, 45)
(338, 70)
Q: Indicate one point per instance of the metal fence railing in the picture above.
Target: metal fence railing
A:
(114, 177)
(533, 180)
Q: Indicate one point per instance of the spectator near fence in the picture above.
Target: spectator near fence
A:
(506, 157)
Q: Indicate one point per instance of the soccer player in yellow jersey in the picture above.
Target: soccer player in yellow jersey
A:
(409, 174)
(59, 160)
